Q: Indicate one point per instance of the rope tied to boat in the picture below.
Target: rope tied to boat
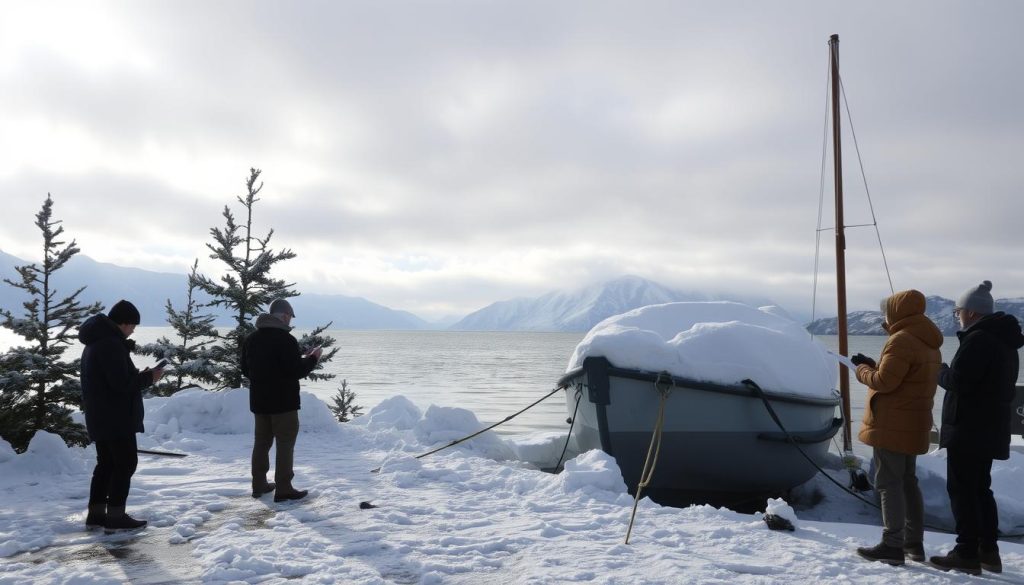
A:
(572, 423)
(483, 430)
(664, 384)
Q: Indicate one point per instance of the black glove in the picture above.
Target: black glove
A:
(860, 358)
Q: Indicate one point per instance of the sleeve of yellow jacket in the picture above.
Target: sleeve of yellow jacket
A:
(892, 369)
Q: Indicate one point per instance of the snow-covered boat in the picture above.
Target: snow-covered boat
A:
(718, 436)
(717, 439)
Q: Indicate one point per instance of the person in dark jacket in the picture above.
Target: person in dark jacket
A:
(112, 400)
(897, 419)
(980, 383)
(274, 364)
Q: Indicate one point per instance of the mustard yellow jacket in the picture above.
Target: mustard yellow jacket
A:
(901, 390)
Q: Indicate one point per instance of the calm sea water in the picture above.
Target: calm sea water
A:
(494, 374)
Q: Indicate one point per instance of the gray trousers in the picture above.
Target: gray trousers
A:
(283, 428)
(902, 506)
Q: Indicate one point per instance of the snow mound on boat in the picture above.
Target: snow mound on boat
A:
(721, 342)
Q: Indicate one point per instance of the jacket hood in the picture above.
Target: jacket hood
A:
(1006, 328)
(903, 304)
(98, 327)
(268, 321)
(904, 311)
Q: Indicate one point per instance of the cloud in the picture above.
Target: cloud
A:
(448, 154)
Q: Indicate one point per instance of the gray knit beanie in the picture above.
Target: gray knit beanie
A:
(280, 306)
(978, 299)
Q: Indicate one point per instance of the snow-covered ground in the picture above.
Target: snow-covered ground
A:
(477, 513)
(481, 512)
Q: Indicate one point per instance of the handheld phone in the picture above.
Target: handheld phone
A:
(160, 364)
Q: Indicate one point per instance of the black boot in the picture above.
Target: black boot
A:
(266, 488)
(292, 495)
(881, 552)
(97, 516)
(989, 559)
(118, 520)
(957, 560)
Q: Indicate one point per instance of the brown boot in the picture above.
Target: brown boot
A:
(96, 517)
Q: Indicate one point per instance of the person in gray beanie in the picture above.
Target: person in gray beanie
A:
(980, 383)
(977, 299)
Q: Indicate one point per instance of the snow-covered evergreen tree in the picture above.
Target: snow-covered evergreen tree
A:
(247, 288)
(37, 387)
(191, 356)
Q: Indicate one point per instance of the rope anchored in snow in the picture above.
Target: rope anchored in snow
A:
(484, 430)
(663, 383)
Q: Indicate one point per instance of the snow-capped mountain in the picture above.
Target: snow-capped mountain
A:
(149, 291)
(938, 309)
(581, 309)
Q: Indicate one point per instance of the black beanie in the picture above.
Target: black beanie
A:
(124, 313)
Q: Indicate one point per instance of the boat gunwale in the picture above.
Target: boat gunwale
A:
(734, 389)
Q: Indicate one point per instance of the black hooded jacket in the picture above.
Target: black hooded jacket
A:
(980, 384)
(272, 361)
(111, 384)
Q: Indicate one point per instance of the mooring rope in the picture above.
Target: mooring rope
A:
(771, 412)
(572, 422)
(654, 449)
(481, 431)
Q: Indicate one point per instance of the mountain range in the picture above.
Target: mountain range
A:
(149, 291)
(575, 310)
(938, 309)
(581, 309)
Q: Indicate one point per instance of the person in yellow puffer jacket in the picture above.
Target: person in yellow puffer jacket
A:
(897, 421)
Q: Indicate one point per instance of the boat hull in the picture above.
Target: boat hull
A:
(716, 439)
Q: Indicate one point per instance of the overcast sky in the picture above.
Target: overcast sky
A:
(437, 156)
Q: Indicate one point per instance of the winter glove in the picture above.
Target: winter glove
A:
(861, 359)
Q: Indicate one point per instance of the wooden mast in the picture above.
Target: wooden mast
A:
(837, 153)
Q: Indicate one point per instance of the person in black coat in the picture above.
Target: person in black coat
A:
(112, 400)
(274, 364)
(980, 384)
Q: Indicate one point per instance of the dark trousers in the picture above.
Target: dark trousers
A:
(116, 461)
(902, 505)
(284, 429)
(969, 482)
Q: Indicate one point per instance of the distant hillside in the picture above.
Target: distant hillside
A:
(149, 291)
(581, 309)
(938, 309)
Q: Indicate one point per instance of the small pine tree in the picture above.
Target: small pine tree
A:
(342, 407)
(191, 358)
(38, 388)
(247, 287)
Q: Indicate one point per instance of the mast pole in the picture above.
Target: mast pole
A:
(837, 152)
